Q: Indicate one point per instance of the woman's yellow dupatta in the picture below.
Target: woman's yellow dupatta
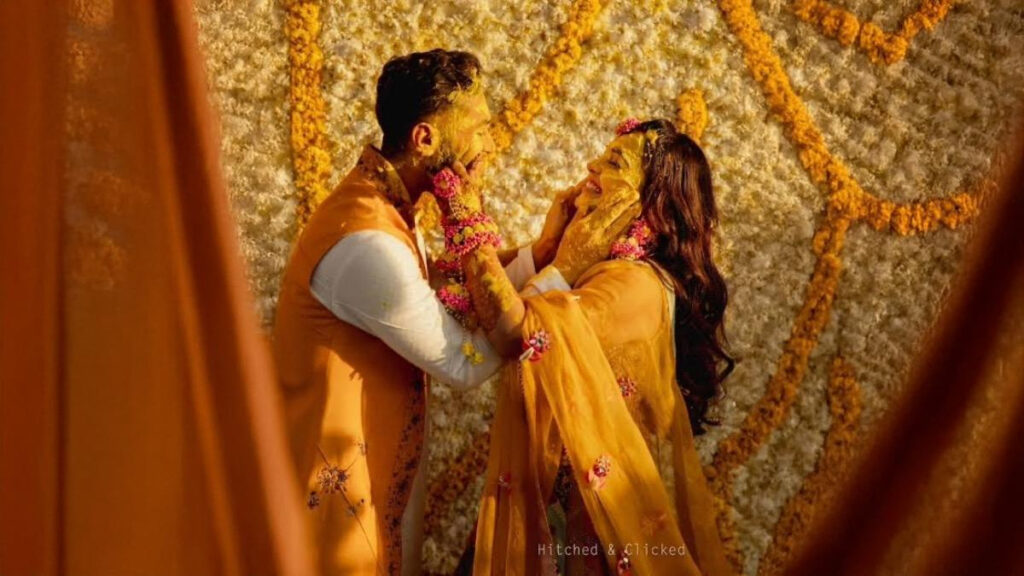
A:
(570, 394)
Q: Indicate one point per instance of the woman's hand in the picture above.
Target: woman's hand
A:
(588, 238)
(563, 208)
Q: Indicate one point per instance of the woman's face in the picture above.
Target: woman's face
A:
(618, 171)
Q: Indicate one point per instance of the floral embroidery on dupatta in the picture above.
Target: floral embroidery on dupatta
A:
(535, 345)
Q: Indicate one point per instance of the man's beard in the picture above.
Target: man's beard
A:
(444, 158)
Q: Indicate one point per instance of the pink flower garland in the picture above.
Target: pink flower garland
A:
(446, 184)
(637, 244)
(463, 232)
(456, 299)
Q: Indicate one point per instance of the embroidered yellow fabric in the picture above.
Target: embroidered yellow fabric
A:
(616, 323)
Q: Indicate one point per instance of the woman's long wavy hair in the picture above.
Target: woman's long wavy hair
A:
(679, 205)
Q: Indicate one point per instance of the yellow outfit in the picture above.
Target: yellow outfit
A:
(346, 390)
(610, 335)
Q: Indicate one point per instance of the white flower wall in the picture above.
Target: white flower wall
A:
(927, 126)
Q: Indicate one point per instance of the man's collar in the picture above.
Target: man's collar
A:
(386, 179)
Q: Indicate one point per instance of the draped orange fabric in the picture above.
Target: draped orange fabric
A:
(941, 489)
(139, 418)
(614, 328)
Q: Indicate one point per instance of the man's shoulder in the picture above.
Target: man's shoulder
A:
(353, 204)
(368, 254)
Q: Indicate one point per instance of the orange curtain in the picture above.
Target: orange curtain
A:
(941, 488)
(139, 421)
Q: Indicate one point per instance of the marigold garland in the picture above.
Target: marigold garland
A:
(844, 404)
(693, 113)
(771, 410)
(880, 46)
(311, 148)
(767, 69)
(847, 202)
(560, 57)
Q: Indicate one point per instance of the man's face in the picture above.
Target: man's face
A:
(619, 171)
(465, 128)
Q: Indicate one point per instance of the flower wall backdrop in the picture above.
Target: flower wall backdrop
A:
(852, 144)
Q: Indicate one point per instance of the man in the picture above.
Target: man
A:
(358, 323)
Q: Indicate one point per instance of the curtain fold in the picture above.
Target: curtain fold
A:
(141, 423)
(939, 489)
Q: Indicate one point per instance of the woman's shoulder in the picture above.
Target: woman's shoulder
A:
(635, 272)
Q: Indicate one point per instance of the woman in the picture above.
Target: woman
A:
(616, 350)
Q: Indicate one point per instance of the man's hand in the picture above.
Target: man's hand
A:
(562, 210)
(468, 199)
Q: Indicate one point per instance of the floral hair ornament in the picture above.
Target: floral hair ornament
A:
(626, 126)
(630, 125)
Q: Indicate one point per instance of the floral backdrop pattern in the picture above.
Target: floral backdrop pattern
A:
(853, 143)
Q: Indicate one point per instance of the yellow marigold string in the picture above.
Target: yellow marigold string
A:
(547, 77)
(770, 411)
(844, 405)
(846, 194)
(693, 113)
(880, 46)
(311, 148)
(847, 202)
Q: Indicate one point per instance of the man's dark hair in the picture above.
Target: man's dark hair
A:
(413, 87)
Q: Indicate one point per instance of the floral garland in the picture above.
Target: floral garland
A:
(692, 118)
(636, 244)
(466, 228)
(880, 46)
(560, 57)
(840, 443)
(847, 202)
(766, 68)
(311, 148)
(770, 411)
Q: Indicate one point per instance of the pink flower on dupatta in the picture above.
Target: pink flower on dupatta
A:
(535, 346)
(627, 386)
(624, 567)
(598, 473)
